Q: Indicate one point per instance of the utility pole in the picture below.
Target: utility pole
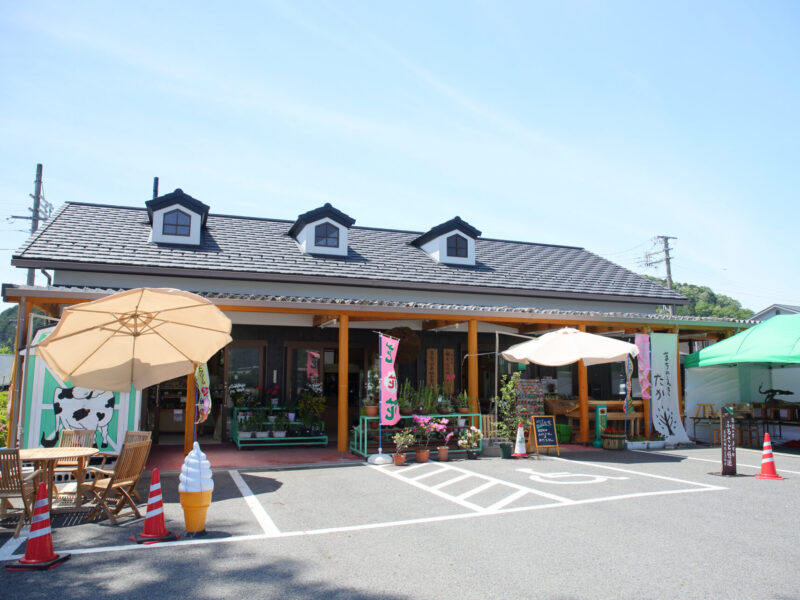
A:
(40, 211)
(651, 259)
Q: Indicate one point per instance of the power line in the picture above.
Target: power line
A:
(656, 257)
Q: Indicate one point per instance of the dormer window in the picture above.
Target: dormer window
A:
(457, 246)
(177, 222)
(177, 218)
(322, 231)
(326, 236)
(452, 242)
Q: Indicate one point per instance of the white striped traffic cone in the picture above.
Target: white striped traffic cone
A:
(39, 553)
(154, 528)
(768, 462)
(519, 448)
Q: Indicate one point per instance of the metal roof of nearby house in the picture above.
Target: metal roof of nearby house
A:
(786, 308)
(115, 239)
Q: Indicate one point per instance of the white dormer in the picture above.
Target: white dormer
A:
(451, 243)
(176, 218)
(322, 231)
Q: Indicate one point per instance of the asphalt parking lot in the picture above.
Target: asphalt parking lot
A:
(586, 524)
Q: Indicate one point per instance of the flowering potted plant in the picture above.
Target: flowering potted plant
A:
(613, 439)
(402, 440)
(236, 391)
(656, 441)
(424, 428)
(469, 440)
(273, 393)
(443, 450)
(637, 443)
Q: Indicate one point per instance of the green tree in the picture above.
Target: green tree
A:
(703, 302)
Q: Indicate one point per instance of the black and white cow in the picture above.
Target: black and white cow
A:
(81, 408)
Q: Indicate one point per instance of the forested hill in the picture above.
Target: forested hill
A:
(8, 325)
(703, 302)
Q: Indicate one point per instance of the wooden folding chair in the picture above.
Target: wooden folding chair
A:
(117, 484)
(130, 437)
(16, 484)
(73, 438)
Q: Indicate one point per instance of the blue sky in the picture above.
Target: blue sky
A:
(596, 124)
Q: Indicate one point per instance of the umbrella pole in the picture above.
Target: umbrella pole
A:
(191, 405)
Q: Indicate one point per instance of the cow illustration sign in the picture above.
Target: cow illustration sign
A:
(52, 405)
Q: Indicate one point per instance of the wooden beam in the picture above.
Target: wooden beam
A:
(344, 361)
(583, 398)
(320, 320)
(437, 323)
(472, 364)
(533, 327)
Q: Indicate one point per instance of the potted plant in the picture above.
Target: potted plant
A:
(656, 441)
(637, 443)
(270, 414)
(281, 425)
(470, 440)
(273, 393)
(236, 391)
(613, 439)
(260, 426)
(405, 399)
(444, 451)
(246, 426)
(507, 418)
(445, 406)
(424, 428)
(373, 390)
(311, 407)
(402, 440)
(462, 402)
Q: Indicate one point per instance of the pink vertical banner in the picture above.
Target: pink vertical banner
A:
(643, 344)
(389, 411)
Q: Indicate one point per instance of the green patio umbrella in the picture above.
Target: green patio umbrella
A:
(776, 340)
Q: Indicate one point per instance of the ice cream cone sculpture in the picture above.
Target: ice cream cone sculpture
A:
(195, 490)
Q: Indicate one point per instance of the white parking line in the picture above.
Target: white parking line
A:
(719, 462)
(267, 525)
(439, 486)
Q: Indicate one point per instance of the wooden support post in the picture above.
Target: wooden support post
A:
(583, 398)
(344, 361)
(188, 415)
(472, 365)
(678, 372)
(18, 376)
(646, 401)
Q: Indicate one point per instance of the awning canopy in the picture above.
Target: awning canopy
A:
(776, 340)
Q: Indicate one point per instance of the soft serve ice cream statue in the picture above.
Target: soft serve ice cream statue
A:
(195, 490)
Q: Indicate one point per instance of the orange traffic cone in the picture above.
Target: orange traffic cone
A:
(519, 448)
(154, 528)
(768, 462)
(39, 551)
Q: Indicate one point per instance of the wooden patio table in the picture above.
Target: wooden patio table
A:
(45, 459)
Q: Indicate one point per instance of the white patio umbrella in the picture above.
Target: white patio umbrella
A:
(139, 337)
(568, 345)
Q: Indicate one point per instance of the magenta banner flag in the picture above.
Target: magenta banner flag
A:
(643, 344)
(390, 413)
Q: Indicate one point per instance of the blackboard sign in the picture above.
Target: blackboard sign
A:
(543, 433)
(727, 426)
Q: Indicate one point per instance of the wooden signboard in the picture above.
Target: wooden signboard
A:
(432, 367)
(448, 366)
(543, 433)
(727, 426)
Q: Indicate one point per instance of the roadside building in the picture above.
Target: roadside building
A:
(307, 297)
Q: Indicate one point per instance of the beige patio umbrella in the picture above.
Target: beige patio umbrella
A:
(568, 345)
(139, 337)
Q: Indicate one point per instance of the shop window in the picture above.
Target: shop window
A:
(326, 235)
(308, 371)
(177, 222)
(457, 246)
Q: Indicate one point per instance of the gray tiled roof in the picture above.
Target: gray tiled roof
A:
(367, 304)
(115, 235)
